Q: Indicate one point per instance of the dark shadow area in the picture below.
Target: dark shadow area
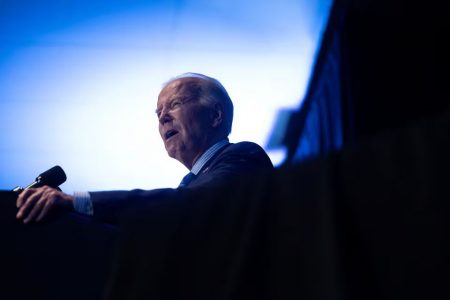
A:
(382, 65)
(66, 257)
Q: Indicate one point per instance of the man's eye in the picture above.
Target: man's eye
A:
(175, 104)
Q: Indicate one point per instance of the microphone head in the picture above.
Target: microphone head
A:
(52, 177)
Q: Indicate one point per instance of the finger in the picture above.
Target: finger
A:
(36, 209)
(30, 201)
(48, 205)
(23, 196)
(20, 200)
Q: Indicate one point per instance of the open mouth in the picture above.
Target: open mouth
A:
(170, 133)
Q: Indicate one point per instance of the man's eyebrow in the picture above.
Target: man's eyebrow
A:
(170, 101)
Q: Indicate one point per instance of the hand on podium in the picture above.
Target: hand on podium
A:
(35, 203)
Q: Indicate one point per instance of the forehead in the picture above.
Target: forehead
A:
(177, 88)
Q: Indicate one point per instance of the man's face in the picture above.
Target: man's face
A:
(185, 125)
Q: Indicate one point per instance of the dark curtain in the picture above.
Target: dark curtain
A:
(66, 257)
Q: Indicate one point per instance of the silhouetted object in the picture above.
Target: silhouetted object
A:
(382, 64)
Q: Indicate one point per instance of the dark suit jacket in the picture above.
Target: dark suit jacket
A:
(228, 164)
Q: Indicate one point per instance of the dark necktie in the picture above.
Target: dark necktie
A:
(187, 179)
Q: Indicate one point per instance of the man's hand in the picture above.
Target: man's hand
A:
(35, 204)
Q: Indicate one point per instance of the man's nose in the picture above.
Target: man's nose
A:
(164, 117)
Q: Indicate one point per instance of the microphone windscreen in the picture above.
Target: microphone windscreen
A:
(52, 177)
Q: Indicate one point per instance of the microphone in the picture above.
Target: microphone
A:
(53, 177)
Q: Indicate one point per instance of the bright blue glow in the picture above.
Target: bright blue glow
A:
(79, 80)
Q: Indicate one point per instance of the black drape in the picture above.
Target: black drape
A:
(66, 257)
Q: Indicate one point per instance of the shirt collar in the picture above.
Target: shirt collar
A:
(205, 157)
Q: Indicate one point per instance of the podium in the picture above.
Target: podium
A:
(65, 257)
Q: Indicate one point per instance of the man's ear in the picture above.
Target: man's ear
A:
(217, 115)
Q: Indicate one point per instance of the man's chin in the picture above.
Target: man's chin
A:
(171, 151)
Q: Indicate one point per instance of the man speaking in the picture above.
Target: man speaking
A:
(195, 115)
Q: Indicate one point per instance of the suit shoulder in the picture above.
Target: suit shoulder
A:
(245, 147)
(247, 151)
